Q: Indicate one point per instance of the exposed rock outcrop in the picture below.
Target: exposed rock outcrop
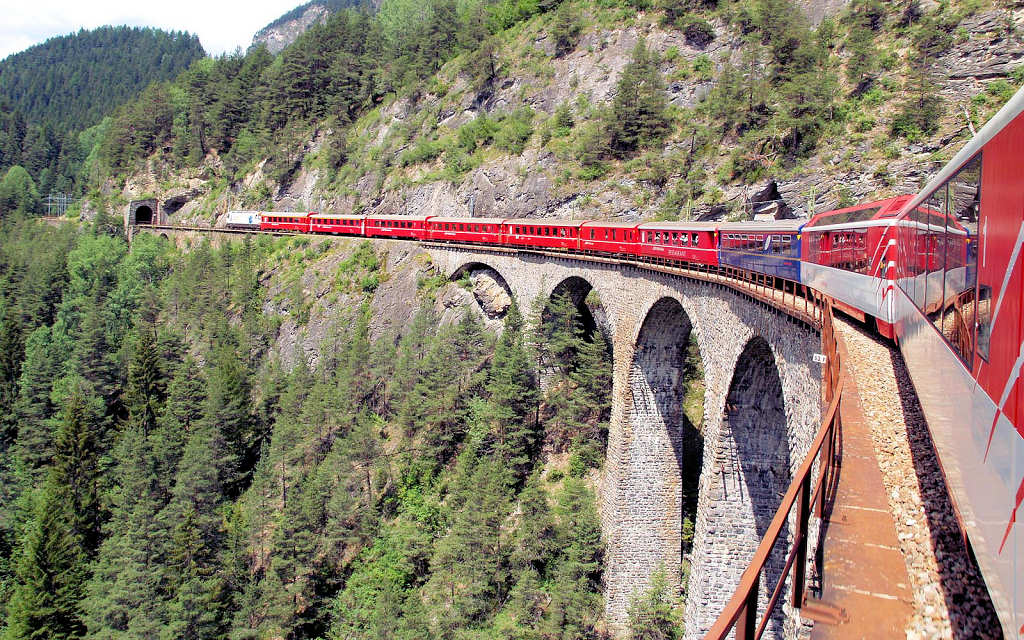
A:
(279, 36)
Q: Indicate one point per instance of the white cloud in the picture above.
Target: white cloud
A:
(221, 25)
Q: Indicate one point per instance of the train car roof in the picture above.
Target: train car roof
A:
(855, 215)
(289, 213)
(764, 226)
(416, 218)
(347, 216)
(681, 225)
(545, 222)
(610, 224)
(467, 220)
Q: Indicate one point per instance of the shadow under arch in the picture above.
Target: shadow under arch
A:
(667, 448)
(589, 306)
(143, 215)
(754, 462)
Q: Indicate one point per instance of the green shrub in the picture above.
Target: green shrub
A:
(516, 129)
(425, 150)
(555, 476)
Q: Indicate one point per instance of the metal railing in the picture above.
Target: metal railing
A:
(741, 614)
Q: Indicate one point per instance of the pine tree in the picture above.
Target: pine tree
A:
(512, 396)
(226, 410)
(33, 408)
(76, 467)
(51, 572)
(195, 536)
(12, 351)
(469, 573)
(53, 568)
(575, 609)
(639, 111)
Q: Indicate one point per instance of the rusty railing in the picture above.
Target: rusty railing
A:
(741, 612)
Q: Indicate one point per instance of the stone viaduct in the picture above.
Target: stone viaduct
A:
(762, 409)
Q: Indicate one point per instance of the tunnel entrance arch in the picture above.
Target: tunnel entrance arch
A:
(143, 215)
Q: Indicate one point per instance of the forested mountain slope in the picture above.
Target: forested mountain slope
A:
(622, 108)
(53, 91)
(246, 441)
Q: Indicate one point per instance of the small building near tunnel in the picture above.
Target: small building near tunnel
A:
(143, 212)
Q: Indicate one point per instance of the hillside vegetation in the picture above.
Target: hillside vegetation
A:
(619, 108)
(173, 467)
(53, 92)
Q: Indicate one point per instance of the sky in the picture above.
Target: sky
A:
(222, 25)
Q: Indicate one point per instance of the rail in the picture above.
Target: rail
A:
(741, 614)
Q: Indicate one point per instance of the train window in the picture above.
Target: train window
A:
(963, 198)
(937, 300)
(696, 239)
(685, 238)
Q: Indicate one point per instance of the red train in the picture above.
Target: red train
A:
(939, 272)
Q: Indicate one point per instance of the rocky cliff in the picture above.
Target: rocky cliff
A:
(279, 36)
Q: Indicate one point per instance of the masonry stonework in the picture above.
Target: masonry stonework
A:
(754, 357)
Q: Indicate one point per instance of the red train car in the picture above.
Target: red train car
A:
(689, 241)
(409, 227)
(854, 238)
(541, 233)
(285, 221)
(619, 238)
(336, 223)
(485, 230)
(959, 319)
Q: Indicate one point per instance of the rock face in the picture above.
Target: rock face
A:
(279, 36)
(491, 293)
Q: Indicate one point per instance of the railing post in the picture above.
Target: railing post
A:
(828, 469)
(802, 519)
(746, 624)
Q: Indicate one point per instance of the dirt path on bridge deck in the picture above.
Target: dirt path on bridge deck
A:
(950, 600)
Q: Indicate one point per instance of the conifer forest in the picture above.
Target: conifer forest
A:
(238, 440)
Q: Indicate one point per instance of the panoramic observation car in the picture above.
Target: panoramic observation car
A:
(541, 233)
(336, 223)
(688, 241)
(618, 238)
(771, 248)
(409, 227)
(285, 221)
(242, 220)
(851, 251)
(485, 230)
(958, 312)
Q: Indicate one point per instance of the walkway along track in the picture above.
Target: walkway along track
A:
(813, 489)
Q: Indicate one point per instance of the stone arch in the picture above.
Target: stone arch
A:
(164, 236)
(490, 289)
(143, 215)
(663, 456)
(752, 470)
(588, 303)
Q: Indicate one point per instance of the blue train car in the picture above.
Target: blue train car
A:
(771, 248)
